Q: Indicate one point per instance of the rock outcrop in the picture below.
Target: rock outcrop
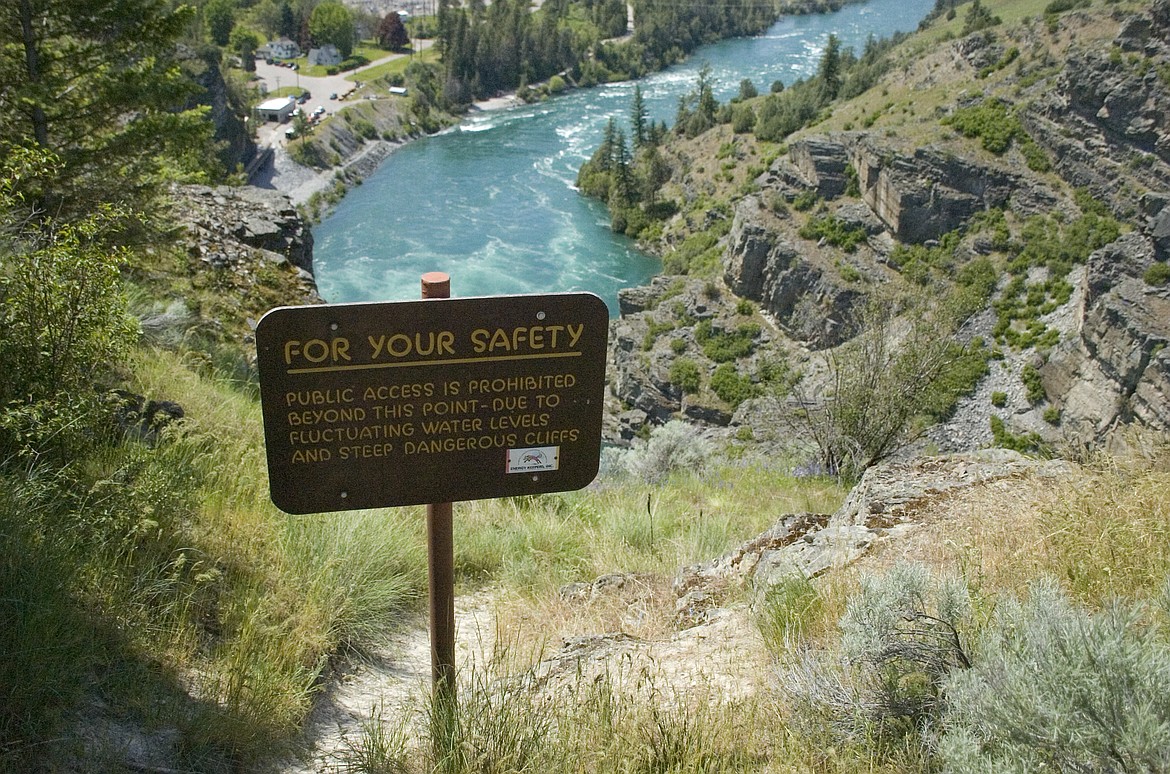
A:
(891, 500)
(806, 295)
(248, 250)
(1115, 370)
(227, 225)
(1107, 121)
(235, 144)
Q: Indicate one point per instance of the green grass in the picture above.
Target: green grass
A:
(396, 66)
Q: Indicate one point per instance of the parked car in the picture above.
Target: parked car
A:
(319, 111)
(333, 95)
(303, 98)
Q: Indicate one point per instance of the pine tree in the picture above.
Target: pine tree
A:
(830, 69)
(93, 83)
(638, 117)
(622, 166)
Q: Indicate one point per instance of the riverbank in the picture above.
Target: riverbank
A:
(306, 185)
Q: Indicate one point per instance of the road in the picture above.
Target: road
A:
(274, 77)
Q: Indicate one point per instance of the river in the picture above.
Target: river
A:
(492, 202)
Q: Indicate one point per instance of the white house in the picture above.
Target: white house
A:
(326, 55)
(284, 49)
(279, 109)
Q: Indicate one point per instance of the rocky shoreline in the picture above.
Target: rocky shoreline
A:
(301, 183)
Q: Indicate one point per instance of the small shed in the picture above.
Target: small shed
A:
(278, 109)
(327, 55)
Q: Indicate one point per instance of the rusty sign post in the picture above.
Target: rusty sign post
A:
(441, 560)
(429, 402)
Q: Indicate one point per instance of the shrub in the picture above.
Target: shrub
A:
(1030, 376)
(732, 388)
(900, 639)
(1026, 443)
(743, 119)
(726, 346)
(835, 232)
(913, 365)
(990, 121)
(1158, 274)
(677, 445)
(999, 399)
(805, 200)
(685, 374)
(1058, 688)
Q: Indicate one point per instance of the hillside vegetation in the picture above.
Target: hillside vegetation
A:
(994, 178)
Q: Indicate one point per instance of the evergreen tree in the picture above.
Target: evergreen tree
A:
(707, 105)
(622, 166)
(93, 82)
(289, 25)
(605, 153)
(638, 117)
(830, 69)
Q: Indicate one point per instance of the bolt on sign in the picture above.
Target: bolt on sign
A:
(388, 404)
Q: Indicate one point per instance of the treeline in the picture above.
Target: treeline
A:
(487, 49)
(501, 47)
(628, 174)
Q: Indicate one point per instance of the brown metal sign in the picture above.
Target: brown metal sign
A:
(387, 404)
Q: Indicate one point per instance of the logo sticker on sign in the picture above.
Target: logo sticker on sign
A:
(533, 460)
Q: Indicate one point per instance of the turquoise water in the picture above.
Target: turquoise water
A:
(492, 202)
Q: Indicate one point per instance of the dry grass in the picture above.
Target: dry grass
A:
(1102, 531)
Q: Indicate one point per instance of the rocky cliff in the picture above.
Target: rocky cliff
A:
(842, 212)
(245, 251)
(235, 144)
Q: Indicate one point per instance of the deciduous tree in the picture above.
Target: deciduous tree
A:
(220, 16)
(332, 22)
(392, 32)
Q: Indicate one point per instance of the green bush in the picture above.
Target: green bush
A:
(1158, 274)
(743, 119)
(685, 374)
(999, 399)
(1057, 688)
(805, 201)
(732, 388)
(835, 232)
(1026, 443)
(725, 346)
(990, 121)
(1030, 376)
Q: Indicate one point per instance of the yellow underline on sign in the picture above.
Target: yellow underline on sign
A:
(407, 364)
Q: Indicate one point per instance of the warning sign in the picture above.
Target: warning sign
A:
(374, 405)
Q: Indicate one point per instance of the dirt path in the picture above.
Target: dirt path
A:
(391, 683)
(722, 656)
